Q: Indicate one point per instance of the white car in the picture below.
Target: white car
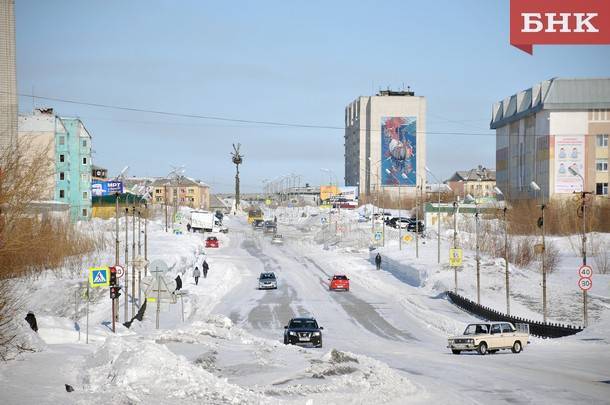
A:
(489, 337)
(267, 281)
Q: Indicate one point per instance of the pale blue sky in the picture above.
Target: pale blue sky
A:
(300, 62)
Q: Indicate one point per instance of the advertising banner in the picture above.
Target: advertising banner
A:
(103, 188)
(349, 193)
(398, 151)
(328, 191)
(569, 153)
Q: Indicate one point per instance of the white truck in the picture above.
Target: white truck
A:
(201, 221)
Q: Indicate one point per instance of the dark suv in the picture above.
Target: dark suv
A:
(302, 331)
(416, 226)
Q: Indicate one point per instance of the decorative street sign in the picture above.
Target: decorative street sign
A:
(157, 266)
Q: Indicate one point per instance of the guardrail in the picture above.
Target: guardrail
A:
(540, 329)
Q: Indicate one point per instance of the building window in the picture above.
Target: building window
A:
(84, 160)
(62, 158)
(84, 212)
(601, 165)
(62, 140)
(62, 193)
(84, 195)
(602, 140)
(157, 191)
(62, 176)
(84, 143)
(601, 188)
(191, 190)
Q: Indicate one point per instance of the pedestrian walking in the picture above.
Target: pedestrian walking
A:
(196, 275)
(178, 283)
(206, 267)
(378, 261)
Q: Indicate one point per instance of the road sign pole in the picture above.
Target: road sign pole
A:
(126, 305)
(87, 339)
(133, 258)
(158, 299)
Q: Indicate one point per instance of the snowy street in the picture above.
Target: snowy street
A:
(384, 341)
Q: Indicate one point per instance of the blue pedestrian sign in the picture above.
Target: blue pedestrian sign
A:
(99, 276)
(378, 235)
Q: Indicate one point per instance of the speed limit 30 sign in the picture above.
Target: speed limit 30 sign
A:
(585, 283)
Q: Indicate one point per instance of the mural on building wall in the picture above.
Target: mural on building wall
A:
(398, 151)
(569, 153)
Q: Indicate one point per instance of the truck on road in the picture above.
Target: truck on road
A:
(201, 221)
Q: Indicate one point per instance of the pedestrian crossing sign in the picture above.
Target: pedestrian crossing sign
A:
(99, 276)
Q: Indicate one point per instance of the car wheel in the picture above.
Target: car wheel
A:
(517, 347)
(456, 351)
(482, 349)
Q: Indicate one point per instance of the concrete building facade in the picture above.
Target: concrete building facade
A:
(68, 146)
(385, 143)
(8, 76)
(549, 131)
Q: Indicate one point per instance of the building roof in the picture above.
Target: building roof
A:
(177, 182)
(216, 202)
(477, 174)
(566, 94)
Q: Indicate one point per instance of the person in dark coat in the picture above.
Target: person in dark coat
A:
(196, 275)
(178, 283)
(206, 267)
(378, 261)
(31, 319)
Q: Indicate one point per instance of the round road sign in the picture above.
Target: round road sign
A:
(585, 283)
(157, 266)
(120, 271)
(585, 271)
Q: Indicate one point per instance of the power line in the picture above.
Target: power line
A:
(267, 123)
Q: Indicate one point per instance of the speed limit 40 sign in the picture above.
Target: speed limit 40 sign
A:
(585, 271)
(585, 283)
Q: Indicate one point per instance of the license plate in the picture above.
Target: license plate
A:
(304, 339)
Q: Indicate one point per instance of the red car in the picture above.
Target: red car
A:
(211, 242)
(339, 282)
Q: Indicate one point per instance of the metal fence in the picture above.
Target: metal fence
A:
(540, 329)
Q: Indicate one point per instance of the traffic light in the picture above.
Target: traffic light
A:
(115, 292)
(113, 275)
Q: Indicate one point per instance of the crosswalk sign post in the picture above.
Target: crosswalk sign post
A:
(99, 276)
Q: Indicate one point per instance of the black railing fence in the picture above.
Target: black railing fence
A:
(540, 329)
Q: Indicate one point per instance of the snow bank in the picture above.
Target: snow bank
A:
(143, 370)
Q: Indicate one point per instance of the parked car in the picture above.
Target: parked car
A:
(258, 224)
(270, 227)
(267, 281)
(339, 282)
(396, 222)
(489, 337)
(416, 226)
(211, 242)
(300, 331)
(277, 239)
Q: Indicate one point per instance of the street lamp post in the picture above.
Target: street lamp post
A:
(438, 191)
(583, 207)
(499, 192)
(535, 187)
(470, 199)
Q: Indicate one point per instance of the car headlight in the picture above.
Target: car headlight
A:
(292, 333)
(471, 341)
(450, 341)
(316, 333)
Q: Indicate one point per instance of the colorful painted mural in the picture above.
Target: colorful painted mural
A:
(399, 151)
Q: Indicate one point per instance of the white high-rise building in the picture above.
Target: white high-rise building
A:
(385, 143)
(8, 80)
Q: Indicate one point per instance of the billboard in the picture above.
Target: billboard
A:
(101, 188)
(349, 192)
(328, 191)
(569, 152)
(398, 151)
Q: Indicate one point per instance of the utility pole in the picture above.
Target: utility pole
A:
(139, 256)
(116, 254)
(417, 220)
(506, 262)
(133, 261)
(544, 308)
(478, 258)
(455, 211)
(583, 207)
(165, 201)
(126, 261)
(237, 159)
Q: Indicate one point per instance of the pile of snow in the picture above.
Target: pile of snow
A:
(141, 370)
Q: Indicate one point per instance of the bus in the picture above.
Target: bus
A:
(254, 214)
